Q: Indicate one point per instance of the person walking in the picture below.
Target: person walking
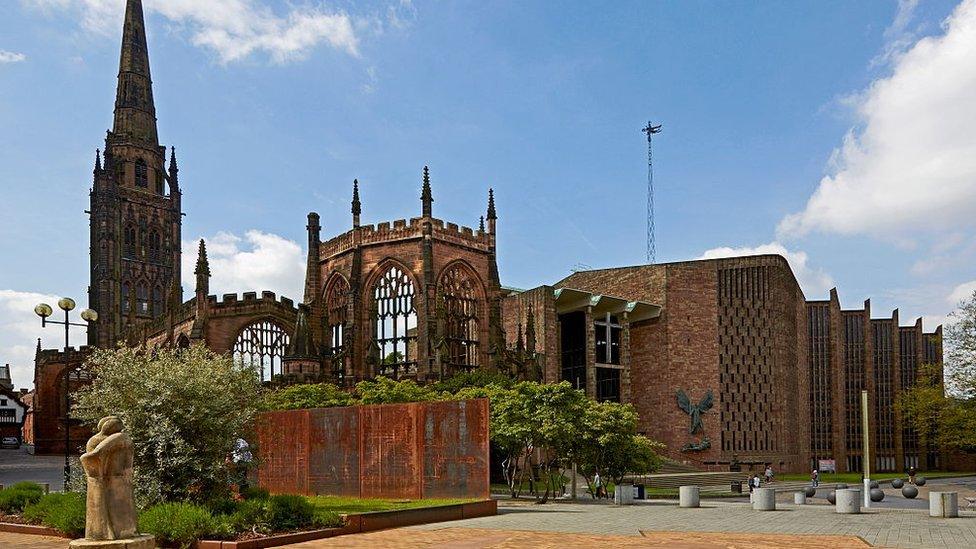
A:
(815, 478)
(911, 475)
(769, 474)
(598, 484)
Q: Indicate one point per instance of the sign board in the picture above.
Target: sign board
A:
(826, 466)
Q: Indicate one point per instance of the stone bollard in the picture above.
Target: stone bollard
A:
(800, 498)
(944, 504)
(764, 499)
(689, 496)
(848, 501)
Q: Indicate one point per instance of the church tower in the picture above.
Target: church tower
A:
(135, 203)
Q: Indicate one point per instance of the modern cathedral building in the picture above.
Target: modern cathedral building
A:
(773, 378)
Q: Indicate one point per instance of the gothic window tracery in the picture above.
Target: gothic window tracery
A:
(142, 299)
(124, 298)
(459, 298)
(157, 301)
(336, 303)
(261, 345)
(129, 242)
(154, 243)
(142, 175)
(395, 321)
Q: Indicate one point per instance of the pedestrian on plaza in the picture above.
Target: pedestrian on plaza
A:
(598, 484)
(769, 474)
(911, 475)
(815, 478)
(754, 482)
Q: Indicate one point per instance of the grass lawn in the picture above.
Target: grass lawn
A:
(356, 505)
(855, 478)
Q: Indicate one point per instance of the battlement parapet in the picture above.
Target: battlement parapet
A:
(404, 229)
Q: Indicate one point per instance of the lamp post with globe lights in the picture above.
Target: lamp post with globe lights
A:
(44, 311)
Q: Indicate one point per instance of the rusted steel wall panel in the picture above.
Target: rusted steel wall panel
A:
(456, 449)
(390, 461)
(283, 451)
(333, 461)
(410, 451)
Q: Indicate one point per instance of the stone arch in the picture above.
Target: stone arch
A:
(261, 344)
(462, 306)
(393, 295)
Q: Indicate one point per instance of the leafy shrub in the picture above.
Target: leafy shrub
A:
(313, 395)
(20, 495)
(178, 524)
(383, 390)
(326, 519)
(255, 492)
(221, 505)
(64, 512)
(251, 516)
(289, 512)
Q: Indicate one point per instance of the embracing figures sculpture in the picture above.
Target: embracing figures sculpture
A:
(110, 514)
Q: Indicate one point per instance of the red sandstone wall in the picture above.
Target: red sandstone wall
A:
(412, 451)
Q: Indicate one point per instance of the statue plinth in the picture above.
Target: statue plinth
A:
(138, 542)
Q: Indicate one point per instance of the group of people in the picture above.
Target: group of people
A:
(755, 482)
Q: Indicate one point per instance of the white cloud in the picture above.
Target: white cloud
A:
(961, 292)
(19, 330)
(11, 57)
(258, 261)
(909, 166)
(814, 281)
(233, 29)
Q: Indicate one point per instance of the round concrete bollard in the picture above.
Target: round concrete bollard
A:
(800, 498)
(689, 496)
(810, 491)
(909, 491)
(764, 499)
(944, 504)
(877, 494)
(919, 481)
(832, 497)
(874, 484)
(849, 501)
(897, 483)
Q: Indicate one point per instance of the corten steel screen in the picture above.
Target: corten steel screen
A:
(411, 451)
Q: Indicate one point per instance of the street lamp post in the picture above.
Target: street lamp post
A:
(44, 310)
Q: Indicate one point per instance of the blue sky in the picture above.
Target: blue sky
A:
(833, 132)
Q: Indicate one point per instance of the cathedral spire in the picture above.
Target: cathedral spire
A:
(174, 170)
(426, 196)
(481, 224)
(135, 113)
(357, 206)
(98, 161)
(492, 215)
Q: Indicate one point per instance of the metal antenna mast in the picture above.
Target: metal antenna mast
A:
(650, 130)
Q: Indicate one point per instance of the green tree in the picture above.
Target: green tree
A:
(312, 395)
(943, 413)
(185, 409)
(383, 390)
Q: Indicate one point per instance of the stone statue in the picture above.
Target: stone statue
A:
(110, 515)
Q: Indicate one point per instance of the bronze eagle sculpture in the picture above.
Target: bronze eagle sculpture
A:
(693, 410)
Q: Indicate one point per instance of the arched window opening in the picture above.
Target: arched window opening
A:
(182, 342)
(142, 300)
(160, 183)
(457, 290)
(142, 175)
(395, 321)
(129, 242)
(261, 346)
(154, 243)
(124, 298)
(337, 303)
(157, 301)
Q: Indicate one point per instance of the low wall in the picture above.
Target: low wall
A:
(410, 451)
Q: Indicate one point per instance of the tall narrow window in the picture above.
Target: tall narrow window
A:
(142, 300)
(142, 174)
(154, 243)
(395, 319)
(157, 301)
(160, 183)
(124, 298)
(129, 242)
(336, 303)
(460, 301)
(261, 346)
